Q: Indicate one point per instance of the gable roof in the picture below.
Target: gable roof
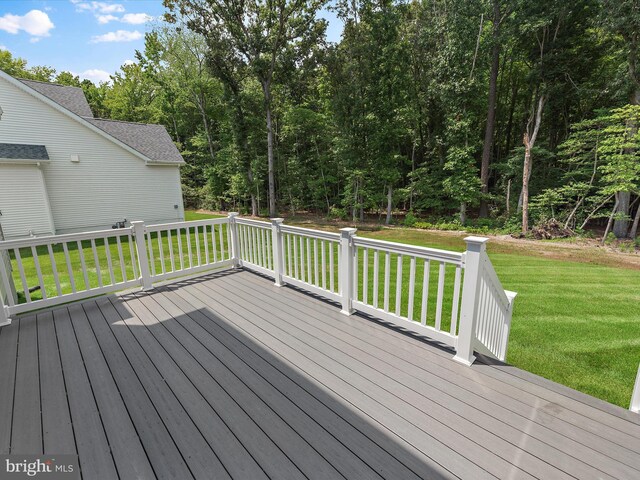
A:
(152, 141)
(19, 151)
(144, 147)
(71, 98)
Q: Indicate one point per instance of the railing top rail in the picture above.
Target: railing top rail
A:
(193, 223)
(67, 237)
(414, 250)
(309, 232)
(252, 222)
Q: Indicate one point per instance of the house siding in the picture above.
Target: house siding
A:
(23, 202)
(109, 183)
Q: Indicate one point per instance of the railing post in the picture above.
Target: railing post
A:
(345, 269)
(235, 245)
(143, 256)
(5, 280)
(635, 397)
(276, 242)
(476, 248)
(4, 317)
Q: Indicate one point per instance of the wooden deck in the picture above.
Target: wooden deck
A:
(228, 376)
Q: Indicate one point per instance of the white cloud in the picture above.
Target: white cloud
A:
(126, 62)
(117, 36)
(35, 23)
(98, 7)
(2, 47)
(35, 39)
(95, 75)
(103, 19)
(136, 18)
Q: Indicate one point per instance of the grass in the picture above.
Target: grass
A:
(191, 215)
(576, 319)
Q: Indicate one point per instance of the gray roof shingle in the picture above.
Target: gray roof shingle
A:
(18, 151)
(71, 98)
(153, 141)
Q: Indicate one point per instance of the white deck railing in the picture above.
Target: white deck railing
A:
(454, 298)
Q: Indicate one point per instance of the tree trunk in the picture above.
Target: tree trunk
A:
(273, 212)
(529, 141)
(463, 213)
(508, 203)
(254, 202)
(389, 204)
(621, 225)
(613, 212)
(525, 184)
(491, 109)
(636, 221)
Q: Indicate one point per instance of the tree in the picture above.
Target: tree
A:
(499, 16)
(623, 19)
(262, 36)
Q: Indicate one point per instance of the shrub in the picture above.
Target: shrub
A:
(410, 220)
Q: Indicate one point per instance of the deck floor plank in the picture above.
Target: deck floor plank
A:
(368, 440)
(8, 359)
(26, 431)
(57, 429)
(225, 375)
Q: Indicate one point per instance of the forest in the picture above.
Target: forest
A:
(506, 114)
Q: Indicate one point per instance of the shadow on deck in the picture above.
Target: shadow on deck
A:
(228, 376)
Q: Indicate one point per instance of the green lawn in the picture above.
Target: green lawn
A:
(575, 322)
(191, 215)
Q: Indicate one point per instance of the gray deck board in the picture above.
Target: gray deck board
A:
(227, 376)
(26, 431)
(57, 429)
(8, 358)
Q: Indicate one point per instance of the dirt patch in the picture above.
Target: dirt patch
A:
(581, 250)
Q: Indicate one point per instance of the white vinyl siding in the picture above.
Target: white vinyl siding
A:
(23, 202)
(108, 184)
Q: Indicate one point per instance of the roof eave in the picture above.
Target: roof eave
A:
(165, 163)
(24, 161)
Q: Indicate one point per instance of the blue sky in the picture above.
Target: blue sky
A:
(89, 38)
